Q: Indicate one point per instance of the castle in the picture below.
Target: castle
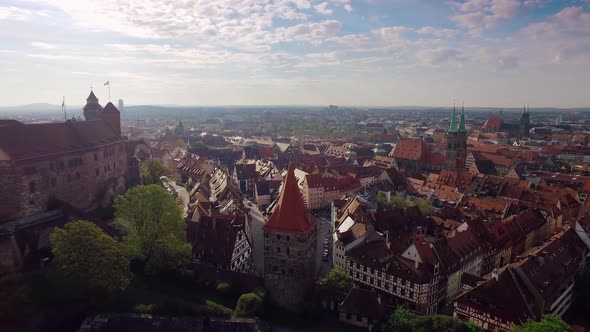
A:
(82, 163)
(290, 238)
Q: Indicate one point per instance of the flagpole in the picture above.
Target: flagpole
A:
(109, 91)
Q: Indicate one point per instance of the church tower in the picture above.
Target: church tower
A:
(456, 139)
(92, 107)
(290, 239)
(525, 122)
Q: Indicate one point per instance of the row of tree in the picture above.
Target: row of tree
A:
(153, 239)
(401, 202)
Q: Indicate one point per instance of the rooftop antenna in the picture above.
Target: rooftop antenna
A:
(63, 108)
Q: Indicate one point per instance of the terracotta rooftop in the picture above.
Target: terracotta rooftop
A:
(412, 149)
(290, 214)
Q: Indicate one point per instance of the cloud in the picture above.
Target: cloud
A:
(42, 45)
(479, 15)
(323, 9)
(345, 4)
(436, 57)
(15, 13)
(534, 3)
(441, 33)
(392, 34)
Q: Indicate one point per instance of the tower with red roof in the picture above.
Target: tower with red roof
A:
(290, 238)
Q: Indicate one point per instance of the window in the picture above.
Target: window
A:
(97, 172)
(32, 187)
(278, 249)
(278, 236)
(95, 157)
(69, 178)
(77, 176)
(53, 182)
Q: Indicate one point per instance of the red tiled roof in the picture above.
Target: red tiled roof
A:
(412, 149)
(493, 123)
(290, 214)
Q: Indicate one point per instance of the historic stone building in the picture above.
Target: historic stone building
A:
(456, 140)
(290, 238)
(83, 164)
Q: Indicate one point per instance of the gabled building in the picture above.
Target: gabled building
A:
(542, 283)
(220, 241)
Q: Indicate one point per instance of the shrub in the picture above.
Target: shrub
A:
(248, 305)
(223, 287)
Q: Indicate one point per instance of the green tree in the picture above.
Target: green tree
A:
(548, 323)
(404, 321)
(248, 305)
(399, 202)
(152, 170)
(153, 228)
(381, 202)
(424, 205)
(88, 256)
(337, 279)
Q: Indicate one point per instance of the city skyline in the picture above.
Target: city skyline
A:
(494, 53)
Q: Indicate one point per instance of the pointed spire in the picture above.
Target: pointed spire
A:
(462, 120)
(290, 214)
(453, 125)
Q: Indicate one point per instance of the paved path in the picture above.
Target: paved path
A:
(182, 195)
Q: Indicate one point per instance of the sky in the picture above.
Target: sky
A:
(499, 53)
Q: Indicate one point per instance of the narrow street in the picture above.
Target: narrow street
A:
(183, 195)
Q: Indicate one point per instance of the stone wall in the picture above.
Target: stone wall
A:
(9, 195)
(289, 267)
(86, 180)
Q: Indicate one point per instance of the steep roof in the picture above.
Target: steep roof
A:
(110, 108)
(22, 142)
(92, 97)
(290, 214)
(412, 149)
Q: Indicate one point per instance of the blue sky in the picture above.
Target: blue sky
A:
(502, 53)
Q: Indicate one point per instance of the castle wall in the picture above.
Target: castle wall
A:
(86, 180)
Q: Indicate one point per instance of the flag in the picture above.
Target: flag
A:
(107, 83)
(63, 102)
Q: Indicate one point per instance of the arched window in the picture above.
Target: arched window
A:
(32, 187)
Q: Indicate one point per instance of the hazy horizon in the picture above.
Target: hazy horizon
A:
(503, 53)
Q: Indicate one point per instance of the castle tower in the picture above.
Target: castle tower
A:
(525, 122)
(290, 238)
(111, 115)
(456, 139)
(92, 107)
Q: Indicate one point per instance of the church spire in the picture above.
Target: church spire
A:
(462, 120)
(453, 125)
